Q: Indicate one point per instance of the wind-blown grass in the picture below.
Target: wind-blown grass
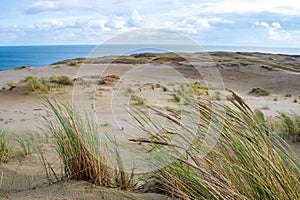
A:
(77, 142)
(290, 126)
(4, 147)
(247, 161)
(77, 139)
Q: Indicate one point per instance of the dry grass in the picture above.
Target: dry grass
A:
(4, 147)
(77, 140)
(247, 161)
(32, 84)
(289, 126)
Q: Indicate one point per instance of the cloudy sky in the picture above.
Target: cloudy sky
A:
(214, 22)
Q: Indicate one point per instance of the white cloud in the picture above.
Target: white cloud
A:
(287, 7)
(276, 25)
(203, 23)
(264, 24)
(135, 19)
(42, 6)
(88, 19)
(274, 30)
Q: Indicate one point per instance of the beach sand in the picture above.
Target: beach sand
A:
(24, 177)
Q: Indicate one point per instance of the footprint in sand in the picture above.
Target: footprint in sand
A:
(9, 121)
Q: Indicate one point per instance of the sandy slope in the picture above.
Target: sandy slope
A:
(22, 113)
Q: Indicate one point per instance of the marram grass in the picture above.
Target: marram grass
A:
(247, 162)
(77, 142)
(84, 147)
(4, 147)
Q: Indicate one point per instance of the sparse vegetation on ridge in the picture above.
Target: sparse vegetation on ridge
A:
(31, 84)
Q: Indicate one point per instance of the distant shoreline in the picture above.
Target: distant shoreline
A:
(37, 56)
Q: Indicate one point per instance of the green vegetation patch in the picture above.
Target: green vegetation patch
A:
(277, 66)
(71, 62)
(259, 92)
(31, 84)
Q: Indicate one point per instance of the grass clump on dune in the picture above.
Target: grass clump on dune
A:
(34, 83)
(4, 147)
(259, 92)
(246, 163)
(77, 140)
(290, 126)
(61, 80)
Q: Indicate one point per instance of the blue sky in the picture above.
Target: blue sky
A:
(216, 22)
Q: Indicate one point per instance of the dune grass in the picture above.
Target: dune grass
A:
(34, 83)
(259, 92)
(43, 84)
(77, 139)
(137, 100)
(61, 80)
(77, 143)
(290, 126)
(4, 147)
(247, 161)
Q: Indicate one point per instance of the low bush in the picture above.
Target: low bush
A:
(259, 92)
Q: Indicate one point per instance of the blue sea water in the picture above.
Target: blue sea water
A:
(34, 56)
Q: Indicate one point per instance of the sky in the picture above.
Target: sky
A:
(269, 23)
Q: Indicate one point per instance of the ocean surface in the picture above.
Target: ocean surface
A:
(34, 56)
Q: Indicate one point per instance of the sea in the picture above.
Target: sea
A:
(36, 56)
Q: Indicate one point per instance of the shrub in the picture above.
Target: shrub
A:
(157, 85)
(73, 63)
(259, 92)
(288, 95)
(165, 89)
(61, 80)
(33, 84)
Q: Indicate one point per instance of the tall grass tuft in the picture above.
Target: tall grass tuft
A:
(246, 162)
(77, 142)
(4, 147)
(290, 126)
